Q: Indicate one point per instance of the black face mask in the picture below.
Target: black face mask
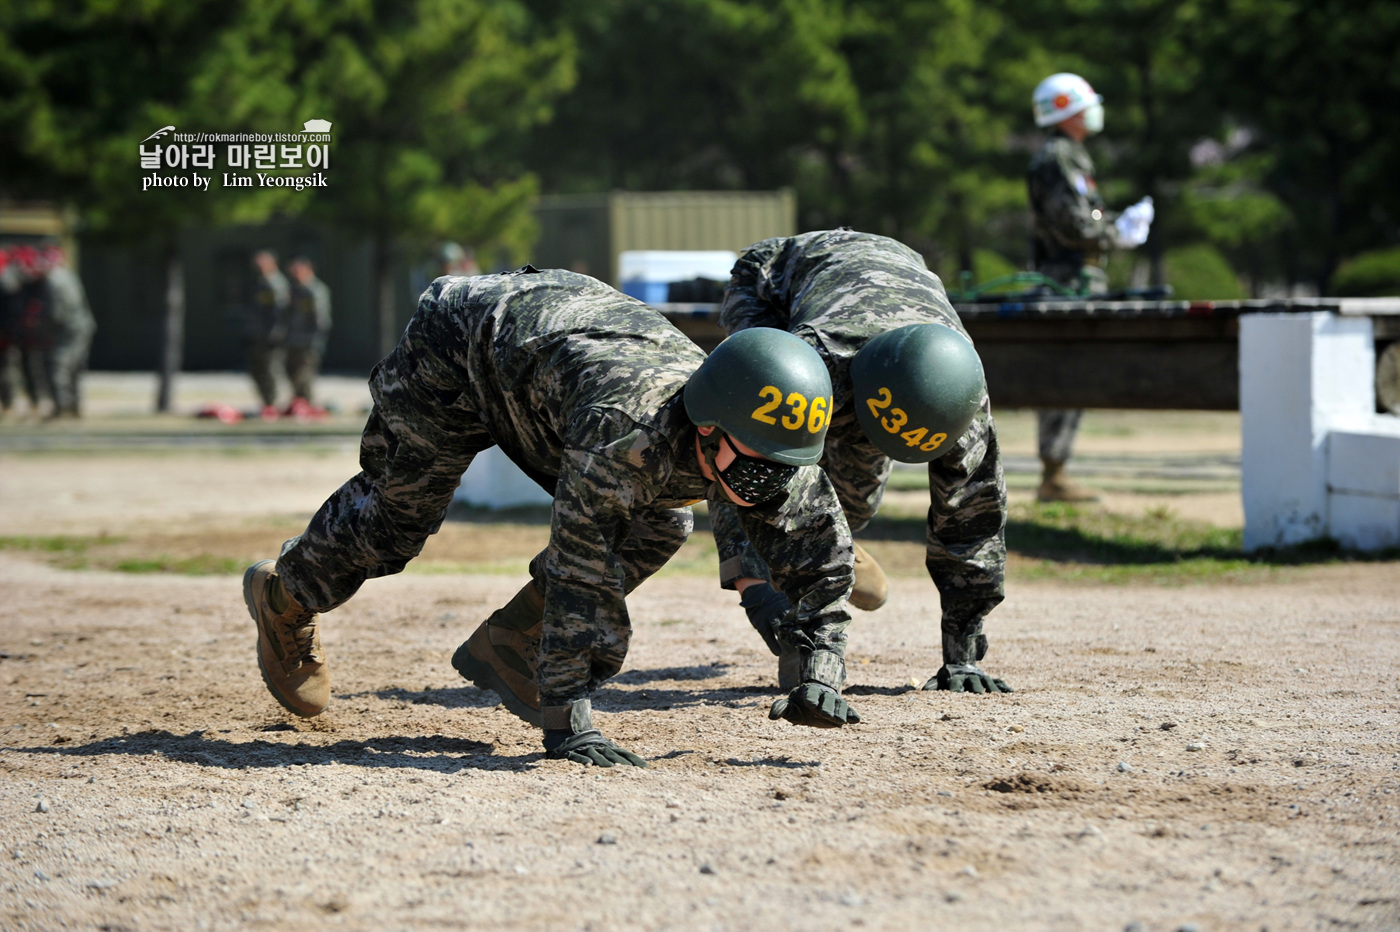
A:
(753, 479)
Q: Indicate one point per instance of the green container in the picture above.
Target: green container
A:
(587, 232)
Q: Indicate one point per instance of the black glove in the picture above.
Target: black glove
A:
(815, 705)
(966, 678)
(589, 747)
(766, 607)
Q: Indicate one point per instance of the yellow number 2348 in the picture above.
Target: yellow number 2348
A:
(894, 419)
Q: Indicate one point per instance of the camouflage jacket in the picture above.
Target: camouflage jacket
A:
(836, 290)
(267, 318)
(72, 319)
(309, 315)
(581, 386)
(1072, 226)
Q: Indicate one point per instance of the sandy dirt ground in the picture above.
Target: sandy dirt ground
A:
(1207, 756)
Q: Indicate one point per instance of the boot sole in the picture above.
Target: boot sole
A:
(484, 676)
(262, 669)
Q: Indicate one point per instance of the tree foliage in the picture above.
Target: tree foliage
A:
(1261, 127)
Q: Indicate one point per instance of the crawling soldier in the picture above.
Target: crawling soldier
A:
(908, 386)
(627, 423)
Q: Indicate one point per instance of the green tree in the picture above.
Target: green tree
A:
(687, 94)
(426, 99)
(1316, 80)
(83, 85)
(885, 115)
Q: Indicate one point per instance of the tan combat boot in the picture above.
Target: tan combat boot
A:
(872, 589)
(289, 643)
(1055, 486)
(503, 653)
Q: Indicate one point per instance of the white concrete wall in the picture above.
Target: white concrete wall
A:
(1363, 480)
(493, 481)
(1301, 377)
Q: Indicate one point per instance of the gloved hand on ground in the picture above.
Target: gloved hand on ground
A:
(589, 747)
(966, 678)
(815, 705)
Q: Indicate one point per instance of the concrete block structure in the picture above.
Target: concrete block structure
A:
(1316, 460)
(493, 481)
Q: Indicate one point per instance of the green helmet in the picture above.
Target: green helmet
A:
(768, 390)
(917, 389)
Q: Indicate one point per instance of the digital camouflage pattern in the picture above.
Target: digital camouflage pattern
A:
(1073, 229)
(580, 386)
(836, 290)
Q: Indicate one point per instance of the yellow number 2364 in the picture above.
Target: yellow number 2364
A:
(800, 411)
(894, 419)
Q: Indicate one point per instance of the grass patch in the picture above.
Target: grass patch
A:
(69, 553)
(1082, 544)
(1090, 545)
(1070, 533)
(199, 565)
(1075, 544)
(68, 545)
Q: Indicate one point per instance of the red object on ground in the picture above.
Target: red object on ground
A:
(303, 410)
(226, 414)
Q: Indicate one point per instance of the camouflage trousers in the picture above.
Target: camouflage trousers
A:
(1057, 428)
(965, 541)
(1055, 433)
(261, 356)
(302, 364)
(412, 456)
(67, 361)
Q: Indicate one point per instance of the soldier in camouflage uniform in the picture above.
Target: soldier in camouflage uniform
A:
(1073, 231)
(267, 325)
(9, 317)
(838, 290)
(605, 404)
(72, 328)
(308, 325)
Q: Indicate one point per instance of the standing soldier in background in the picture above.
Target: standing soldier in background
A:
(627, 423)
(908, 385)
(71, 330)
(9, 292)
(1073, 232)
(267, 324)
(308, 323)
(33, 325)
(453, 259)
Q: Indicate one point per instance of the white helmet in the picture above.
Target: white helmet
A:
(1060, 97)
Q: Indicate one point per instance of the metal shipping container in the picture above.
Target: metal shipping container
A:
(587, 232)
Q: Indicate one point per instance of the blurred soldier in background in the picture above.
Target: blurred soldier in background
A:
(267, 325)
(308, 324)
(628, 423)
(908, 386)
(1073, 231)
(453, 259)
(9, 292)
(71, 330)
(33, 325)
